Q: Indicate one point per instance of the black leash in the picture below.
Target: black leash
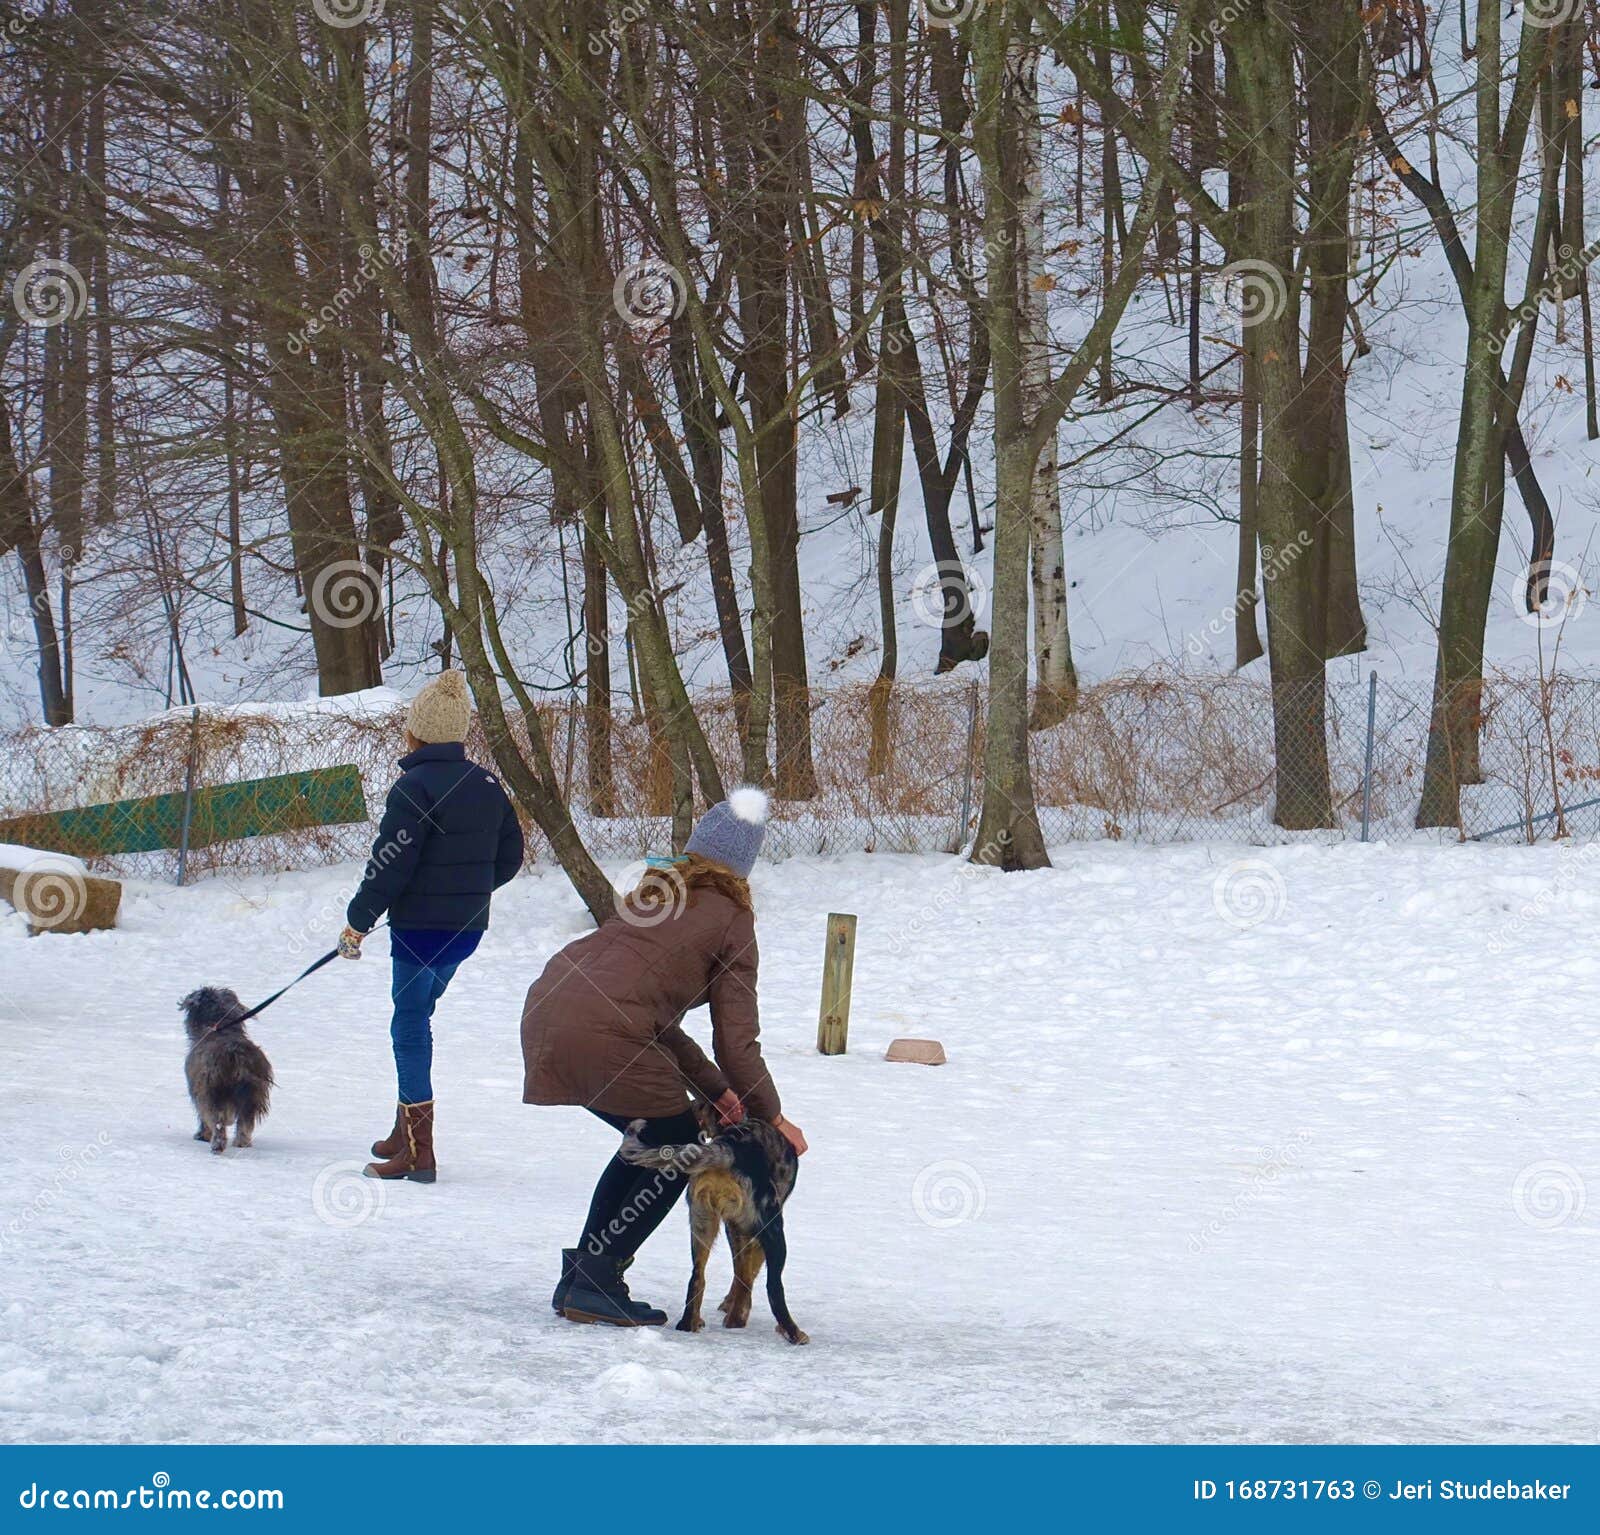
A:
(310, 969)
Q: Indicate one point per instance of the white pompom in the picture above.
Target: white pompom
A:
(748, 804)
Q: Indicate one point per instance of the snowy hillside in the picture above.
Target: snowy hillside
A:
(1150, 549)
(1299, 1147)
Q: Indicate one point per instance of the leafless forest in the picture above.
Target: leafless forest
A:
(374, 293)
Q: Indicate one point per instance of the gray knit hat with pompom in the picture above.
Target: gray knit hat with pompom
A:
(731, 832)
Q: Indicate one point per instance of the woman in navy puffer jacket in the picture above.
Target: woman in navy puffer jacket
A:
(448, 839)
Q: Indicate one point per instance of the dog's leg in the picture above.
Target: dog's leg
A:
(244, 1132)
(204, 1132)
(702, 1238)
(747, 1261)
(777, 1254)
(735, 1243)
(219, 1135)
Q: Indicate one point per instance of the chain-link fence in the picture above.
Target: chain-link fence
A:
(1155, 758)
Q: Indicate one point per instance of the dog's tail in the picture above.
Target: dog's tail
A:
(692, 1158)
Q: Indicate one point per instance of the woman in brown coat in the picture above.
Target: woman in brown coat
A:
(603, 1029)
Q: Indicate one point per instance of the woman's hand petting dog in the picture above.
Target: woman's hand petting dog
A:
(791, 1133)
(729, 1110)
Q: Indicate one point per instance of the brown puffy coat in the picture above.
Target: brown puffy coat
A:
(602, 1026)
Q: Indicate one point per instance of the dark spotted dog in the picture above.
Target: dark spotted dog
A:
(741, 1178)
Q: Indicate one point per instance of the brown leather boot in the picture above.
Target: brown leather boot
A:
(390, 1145)
(414, 1159)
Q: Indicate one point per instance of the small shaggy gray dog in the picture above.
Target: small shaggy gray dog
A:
(230, 1077)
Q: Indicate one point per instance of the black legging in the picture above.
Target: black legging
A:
(630, 1202)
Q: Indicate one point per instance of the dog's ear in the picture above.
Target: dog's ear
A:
(706, 1115)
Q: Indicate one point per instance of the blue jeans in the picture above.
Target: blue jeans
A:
(416, 992)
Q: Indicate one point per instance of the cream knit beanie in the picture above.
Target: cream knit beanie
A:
(442, 711)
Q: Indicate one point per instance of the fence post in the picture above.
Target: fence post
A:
(1366, 772)
(188, 796)
(838, 967)
(966, 775)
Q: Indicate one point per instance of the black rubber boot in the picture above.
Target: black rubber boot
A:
(569, 1260)
(597, 1292)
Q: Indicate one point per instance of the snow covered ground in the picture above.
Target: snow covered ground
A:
(1296, 1146)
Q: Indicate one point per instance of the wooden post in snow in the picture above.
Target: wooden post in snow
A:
(838, 965)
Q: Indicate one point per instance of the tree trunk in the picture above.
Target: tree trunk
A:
(1475, 500)
(1056, 680)
(1008, 827)
(1289, 519)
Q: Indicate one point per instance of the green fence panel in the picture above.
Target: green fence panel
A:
(256, 807)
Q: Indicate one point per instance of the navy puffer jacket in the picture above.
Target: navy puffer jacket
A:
(448, 838)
